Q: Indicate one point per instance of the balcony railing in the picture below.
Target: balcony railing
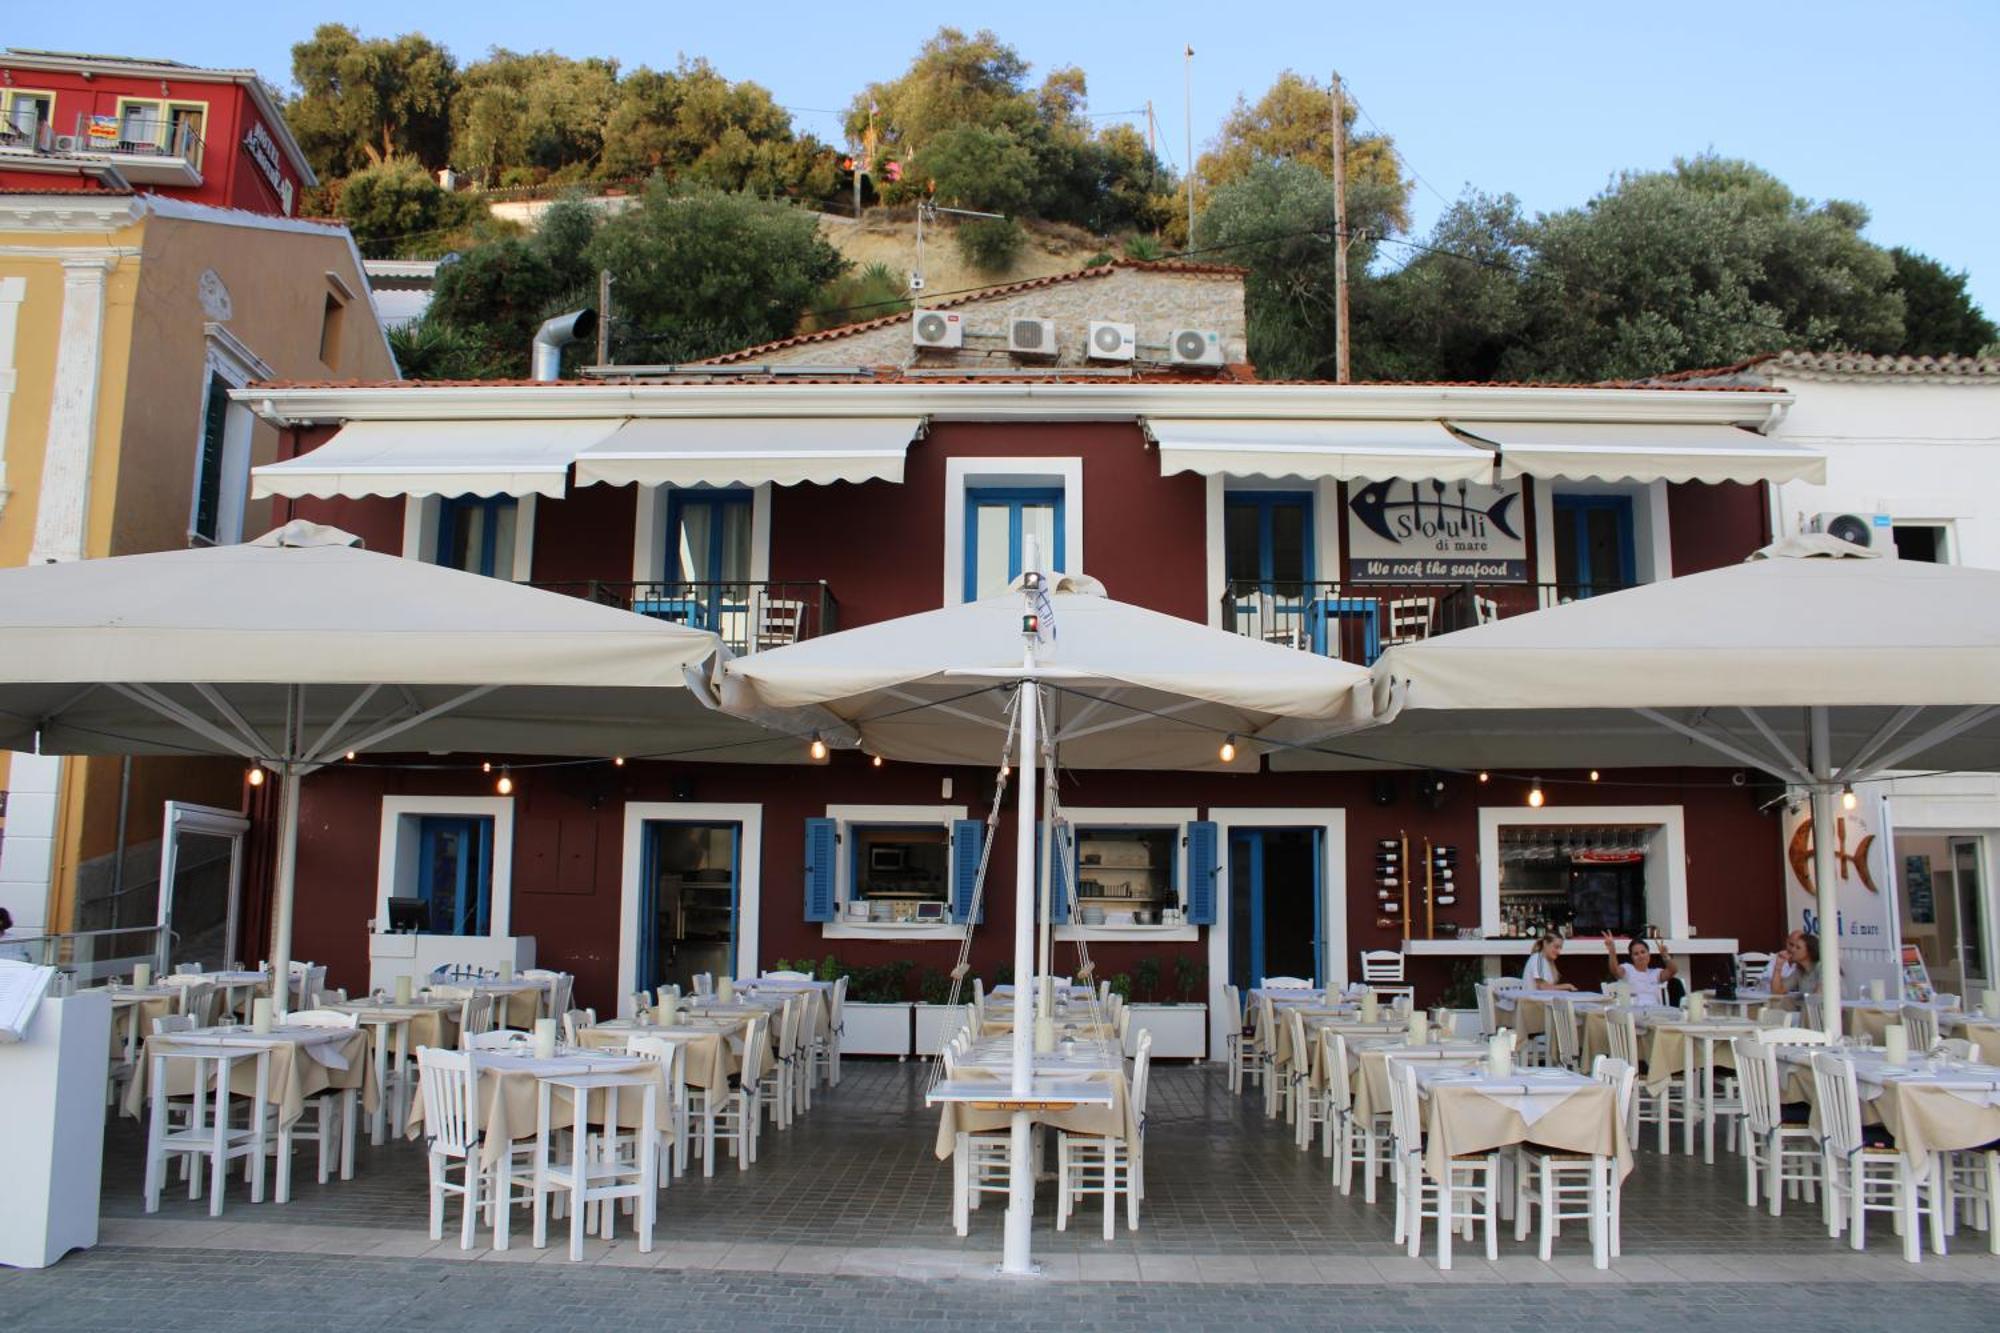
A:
(749, 617)
(1357, 621)
(139, 136)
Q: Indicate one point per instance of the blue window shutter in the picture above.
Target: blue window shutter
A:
(822, 842)
(1202, 867)
(968, 841)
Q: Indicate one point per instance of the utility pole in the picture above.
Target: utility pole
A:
(604, 317)
(1188, 102)
(1341, 370)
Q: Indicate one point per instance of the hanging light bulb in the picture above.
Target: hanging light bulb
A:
(256, 776)
(486, 767)
(1593, 775)
(505, 786)
(618, 761)
(1228, 750)
(1848, 800)
(1484, 776)
(875, 760)
(1535, 797)
(350, 756)
(818, 748)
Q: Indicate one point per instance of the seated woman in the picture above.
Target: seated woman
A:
(1781, 963)
(1648, 982)
(1802, 951)
(1541, 972)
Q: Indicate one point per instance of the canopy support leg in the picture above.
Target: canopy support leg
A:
(1015, 1259)
(1826, 881)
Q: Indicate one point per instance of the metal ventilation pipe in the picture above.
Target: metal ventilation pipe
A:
(558, 333)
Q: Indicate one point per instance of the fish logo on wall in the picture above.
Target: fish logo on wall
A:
(1427, 531)
(1846, 864)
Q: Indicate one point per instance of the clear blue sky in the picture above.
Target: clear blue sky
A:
(1889, 104)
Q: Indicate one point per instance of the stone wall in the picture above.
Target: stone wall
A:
(1155, 301)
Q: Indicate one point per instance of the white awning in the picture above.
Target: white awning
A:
(714, 451)
(1335, 450)
(435, 458)
(1584, 451)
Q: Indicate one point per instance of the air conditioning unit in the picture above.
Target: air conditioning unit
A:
(1194, 347)
(1028, 336)
(1870, 530)
(67, 143)
(936, 328)
(1112, 342)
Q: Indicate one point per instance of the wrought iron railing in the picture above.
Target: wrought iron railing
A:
(1357, 621)
(141, 136)
(749, 617)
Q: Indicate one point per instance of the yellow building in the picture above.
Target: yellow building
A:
(125, 319)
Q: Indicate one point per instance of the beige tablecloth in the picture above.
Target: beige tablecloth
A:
(132, 1015)
(711, 1048)
(1919, 1108)
(433, 1023)
(295, 1074)
(1345, 1023)
(1473, 1118)
(1116, 1120)
(510, 1090)
(1371, 1089)
(1667, 1051)
(1982, 1032)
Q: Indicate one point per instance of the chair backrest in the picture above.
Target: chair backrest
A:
(1621, 1031)
(1815, 1012)
(1487, 609)
(642, 1000)
(978, 993)
(1957, 1048)
(756, 1050)
(1404, 1122)
(186, 970)
(1757, 1074)
(475, 1015)
(504, 1039)
(172, 1023)
(1333, 1059)
(837, 1006)
(1142, 1063)
(1489, 1016)
(451, 1113)
(1839, 1100)
(1793, 1037)
(559, 994)
(664, 1051)
(1234, 999)
(322, 1018)
(575, 1021)
(788, 976)
(1410, 618)
(1124, 1022)
(1285, 983)
(199, 1002)
(1295, 1023)
(448, 992)
(1922, 1024)
(1775, 1016)
(1267, 1022)
(1622, 1077)
(1560, 1021)
(1381, 965)
(1752, 970)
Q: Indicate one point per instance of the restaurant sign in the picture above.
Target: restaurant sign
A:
(1431, 532)
(263, 151)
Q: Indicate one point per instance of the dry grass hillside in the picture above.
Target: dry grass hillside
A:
(890, 237)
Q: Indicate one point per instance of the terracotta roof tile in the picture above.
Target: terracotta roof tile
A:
(1846, 365)
(982, 294)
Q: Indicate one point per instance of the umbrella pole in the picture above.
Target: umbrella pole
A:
(1826, 879)
(288, 867)
(1020, 1170)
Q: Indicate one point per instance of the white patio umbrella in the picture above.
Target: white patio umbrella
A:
(1815, 660)
(1131, 688)
(294, 649)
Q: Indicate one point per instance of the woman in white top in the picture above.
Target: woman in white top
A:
(1541, 973)
(1648, 983)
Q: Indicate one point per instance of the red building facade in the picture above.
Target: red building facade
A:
(1100, 474)
(211, 136)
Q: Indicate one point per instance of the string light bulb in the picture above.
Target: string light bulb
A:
(818, 748)
(1228, 750)
(1593, 775)
(618, 761)
(1848, 800)
(1535, 796)
(505, 786)
(875, 760)
(1484, 776)
(350, 756)
(486, 767)
(256, 776)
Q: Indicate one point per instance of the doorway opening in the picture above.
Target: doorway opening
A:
(1943, 903)
(689, 901)
(201, 879)
(1275, 925)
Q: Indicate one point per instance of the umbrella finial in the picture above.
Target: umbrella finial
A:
(303, 533)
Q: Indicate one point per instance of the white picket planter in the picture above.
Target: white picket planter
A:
(1180, 1031)
(936, 1023)
(875, 1029)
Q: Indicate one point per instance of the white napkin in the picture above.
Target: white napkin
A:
(327, 1053)
(1531, 1103)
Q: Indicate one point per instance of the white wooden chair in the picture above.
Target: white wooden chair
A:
(780, 621)
(1285, 983)
(1409, 620)
(574, 1022)
(673, 1130)
(1567, 1186)
(1565, 1045)
(475, 1016)
(1308, 1104)
(1240, 1042)
(501, 1040)
(777, 1093)
(1863, 1177)
(1485, 610)
(449, 1081)
(1270, 1075)
(828, 1048)
(1471, 1178)
(1107, 1165)
(1382, 967)
(788, 976)
(1780, 1157)
(1921, 1022)
(1664, 1107)
(979, 1161)
(1753, 970)
(329, 1135)
(704, 984)
(732, 1114)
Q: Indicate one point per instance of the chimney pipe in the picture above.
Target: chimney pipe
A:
(558, 333)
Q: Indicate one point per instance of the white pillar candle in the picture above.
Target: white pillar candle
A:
(1989, 1003)
(260, 1014)
(665, 1012)
(1878, 989)
(1697, 1006)
(1419, 1028)
(725, 991)
(506, 970)
(142, 975)
(404, 988)
(1896, 1044)
(545, 1038)
(1368, 1009)
(1499, 1056)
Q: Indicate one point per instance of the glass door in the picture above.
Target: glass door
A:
(1594, 544)
(1969, 883)
(201, 869)
(708, 562)
(688, 903)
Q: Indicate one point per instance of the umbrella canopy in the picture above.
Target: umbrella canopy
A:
(1127, 687)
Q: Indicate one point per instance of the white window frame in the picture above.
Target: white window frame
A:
(649, 532)
(749, 817)
(397, 867)
(227, 358)
(963, 474)
(846, 816)
(1176, 818)
(420, 527)
(1328, 516)
(1652, 538)
(1666, 855)
(1331, 821)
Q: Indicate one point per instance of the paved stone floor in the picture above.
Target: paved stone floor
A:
(845, 1209)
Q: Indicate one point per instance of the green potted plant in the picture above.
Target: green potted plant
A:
(936, 1016)
(1177, 1018)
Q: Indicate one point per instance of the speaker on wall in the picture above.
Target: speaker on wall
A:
(1433, 788)
(1385, 789)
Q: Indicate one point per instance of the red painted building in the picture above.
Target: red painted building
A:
(1336, 519)
(214, 136)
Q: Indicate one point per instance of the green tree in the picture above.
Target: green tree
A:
(496, 295)
(364, 100)
(394, 206)
(1939, 317)
(866, 293)
(691, 125)
(539, 111)
(700, 271)
(1457, 306)
(1293, 122)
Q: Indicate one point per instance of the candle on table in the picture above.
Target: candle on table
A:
(1878, 989)
(142, 975)
(545, 1038)
(506, 971)
(1368, 1010)
(1419, 1028)
(404, 983)
(260, 1014)
(1989, 1003)
(1896, 1044)
(665, 1011)
(1499, 1056)
(725, 991)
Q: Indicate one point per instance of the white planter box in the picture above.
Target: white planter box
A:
(1180, 1031)
(875, 1029)
(936, 1023)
